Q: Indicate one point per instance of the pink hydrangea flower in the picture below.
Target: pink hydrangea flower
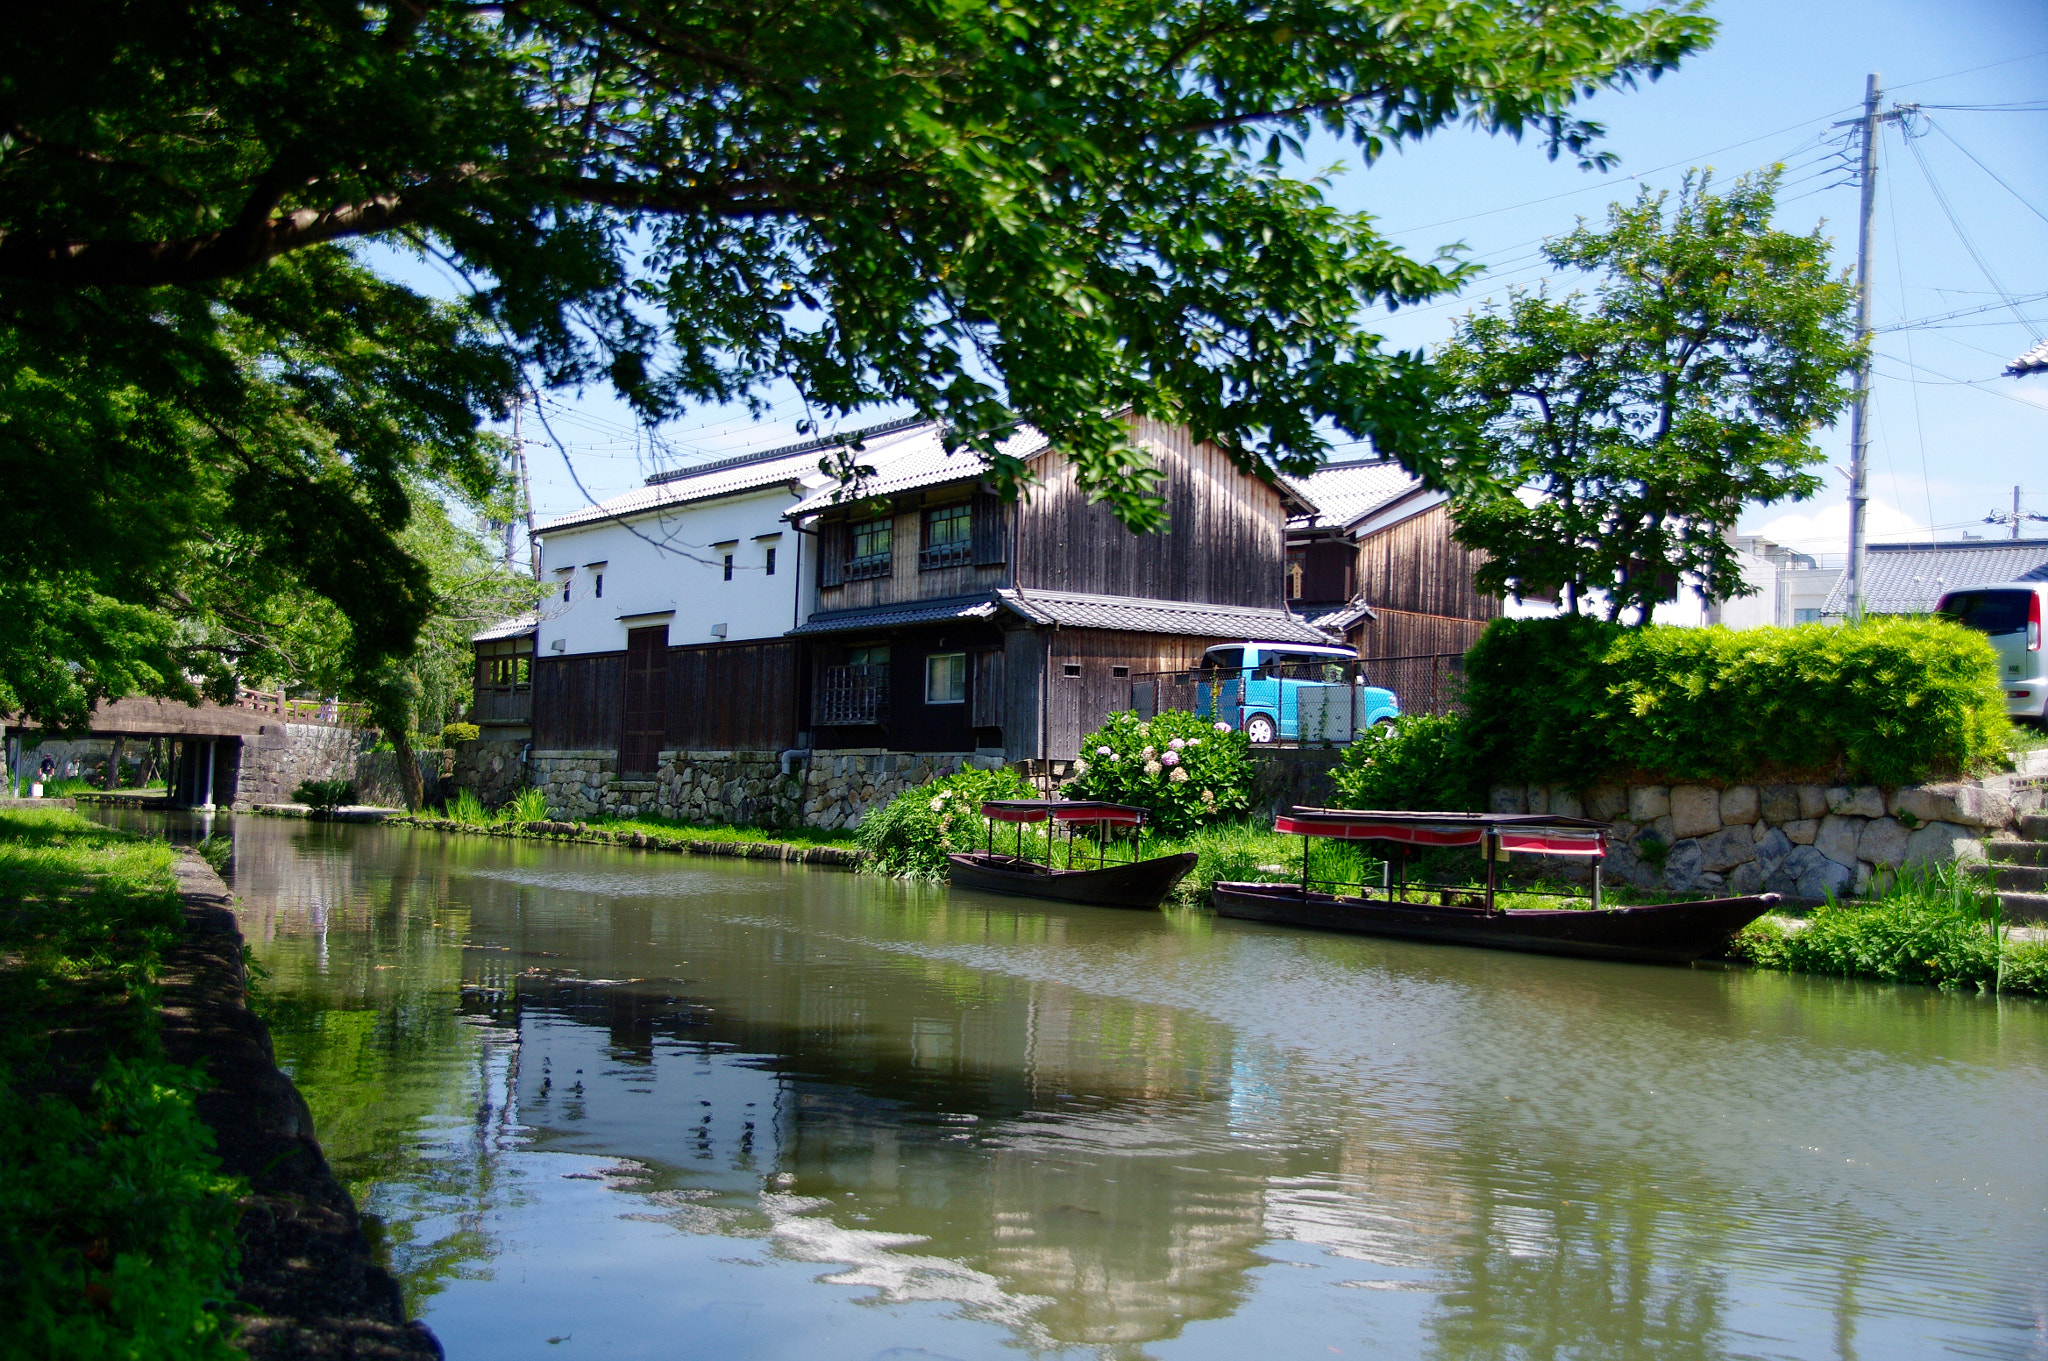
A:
(1171, 758)
(1222, 727)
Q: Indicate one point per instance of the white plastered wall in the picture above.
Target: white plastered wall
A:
(664, 567)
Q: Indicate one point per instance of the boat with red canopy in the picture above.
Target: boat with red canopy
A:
(1672, 933)
(1102, 883)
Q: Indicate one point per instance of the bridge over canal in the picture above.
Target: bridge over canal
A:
(255, 750)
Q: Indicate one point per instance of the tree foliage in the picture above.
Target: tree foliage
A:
(1045, 211)
(1646, 416)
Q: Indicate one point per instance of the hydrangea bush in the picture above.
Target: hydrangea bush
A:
(1184, 770)
(912, 834)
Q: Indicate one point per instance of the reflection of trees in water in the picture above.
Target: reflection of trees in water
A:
(857, 1075)
(364, 957)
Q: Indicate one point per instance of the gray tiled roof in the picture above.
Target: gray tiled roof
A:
(518, 626)
(912, 458)
(1908, 578)
(2033, 361)
(897, 616)
(1346, 493)
(1072, 609)
(795, 465)
(1338, 618)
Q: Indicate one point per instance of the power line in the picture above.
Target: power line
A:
(1988, 170)
(1962, 234)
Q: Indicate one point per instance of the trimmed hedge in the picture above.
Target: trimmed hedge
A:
(1573, 700)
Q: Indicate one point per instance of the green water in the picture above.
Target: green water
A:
(602, 1102)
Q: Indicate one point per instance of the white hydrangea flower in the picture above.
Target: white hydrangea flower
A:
(1080, 767)
(1104, 751)
(1153, 767)
(1194, 741)
(1148, 753)
(1209, 797)
(1179, 777)
(938, 803)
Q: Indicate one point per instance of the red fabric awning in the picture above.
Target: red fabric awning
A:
(1059, 810)
(1527, 833)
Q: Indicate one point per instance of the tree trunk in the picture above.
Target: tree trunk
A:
(409, 783)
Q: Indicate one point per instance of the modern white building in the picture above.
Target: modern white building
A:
(702, 551)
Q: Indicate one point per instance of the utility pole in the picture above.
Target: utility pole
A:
(2015, 513)
(1859, 428)
(525, 497)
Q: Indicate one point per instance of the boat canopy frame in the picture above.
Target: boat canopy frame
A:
(1496, 835)
(1102, 816)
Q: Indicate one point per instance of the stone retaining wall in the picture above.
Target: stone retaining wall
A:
(493, 771)
(283, 755)
(828, 789)
(1804, 841)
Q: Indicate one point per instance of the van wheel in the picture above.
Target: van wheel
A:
(1260, 730)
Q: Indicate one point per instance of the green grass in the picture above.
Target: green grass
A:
(116, 1227)
(676, 828)
(1940, 928)
(531, 806)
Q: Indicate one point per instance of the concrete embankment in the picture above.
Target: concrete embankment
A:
(310, 1285)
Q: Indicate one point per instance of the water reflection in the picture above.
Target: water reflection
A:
(687, 1107)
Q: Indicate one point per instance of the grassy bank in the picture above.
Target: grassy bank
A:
(116, 1229)
(1941, 928)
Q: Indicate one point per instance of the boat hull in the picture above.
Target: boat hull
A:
(1668, 933)
(1141, 884)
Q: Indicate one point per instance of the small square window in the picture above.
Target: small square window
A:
(770, 570)
(728, 567)
(871, 542)
(1119, 671)
(1071, 669)
(945, 678)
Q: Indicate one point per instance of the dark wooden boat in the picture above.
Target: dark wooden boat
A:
(1668, 933)
(1132, 883)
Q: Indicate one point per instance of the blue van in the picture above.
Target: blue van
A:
(1257, 687)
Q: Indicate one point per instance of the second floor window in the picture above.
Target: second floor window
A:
(870, 556)
(947, 537)
(598, 589)
(728, 567)
(771, 561)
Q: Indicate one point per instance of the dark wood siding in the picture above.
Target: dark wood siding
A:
(988, 687)
(906, 579)
(831, 553)
(576, 702)
(733, 696)
(990, 529)
(1415, 566)
(646, 704)
(1224, 542)
(1398, 633)
(1328, 568)
(1079, 703)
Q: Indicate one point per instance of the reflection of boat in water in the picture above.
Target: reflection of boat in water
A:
(1673, 933)
(1133, 883)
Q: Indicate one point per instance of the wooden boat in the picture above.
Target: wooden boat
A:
(1132, 883)
(1669, 933)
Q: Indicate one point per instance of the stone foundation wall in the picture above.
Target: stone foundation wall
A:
(830, 789)
(282, 755)
(491, 770)
(1804, 841)
(839, 787)
(376, 777)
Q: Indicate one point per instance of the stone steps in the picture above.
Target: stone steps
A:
(2034, 826)
(2019, 878)
(2024, 907)
(2012, 852)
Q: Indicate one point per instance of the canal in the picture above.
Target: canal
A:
(605, 1102)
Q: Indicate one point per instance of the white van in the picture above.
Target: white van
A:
(2010, 615)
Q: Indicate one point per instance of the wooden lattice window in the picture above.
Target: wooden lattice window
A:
(948, 537)
(869, 555)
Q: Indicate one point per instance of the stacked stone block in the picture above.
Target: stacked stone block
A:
(1804, 841)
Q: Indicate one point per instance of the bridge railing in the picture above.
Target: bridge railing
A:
(331, 711)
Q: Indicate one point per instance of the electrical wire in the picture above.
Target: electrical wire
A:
(1988, 170)
(1962, 234)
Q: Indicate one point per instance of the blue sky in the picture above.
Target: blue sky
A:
(1950, 436)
